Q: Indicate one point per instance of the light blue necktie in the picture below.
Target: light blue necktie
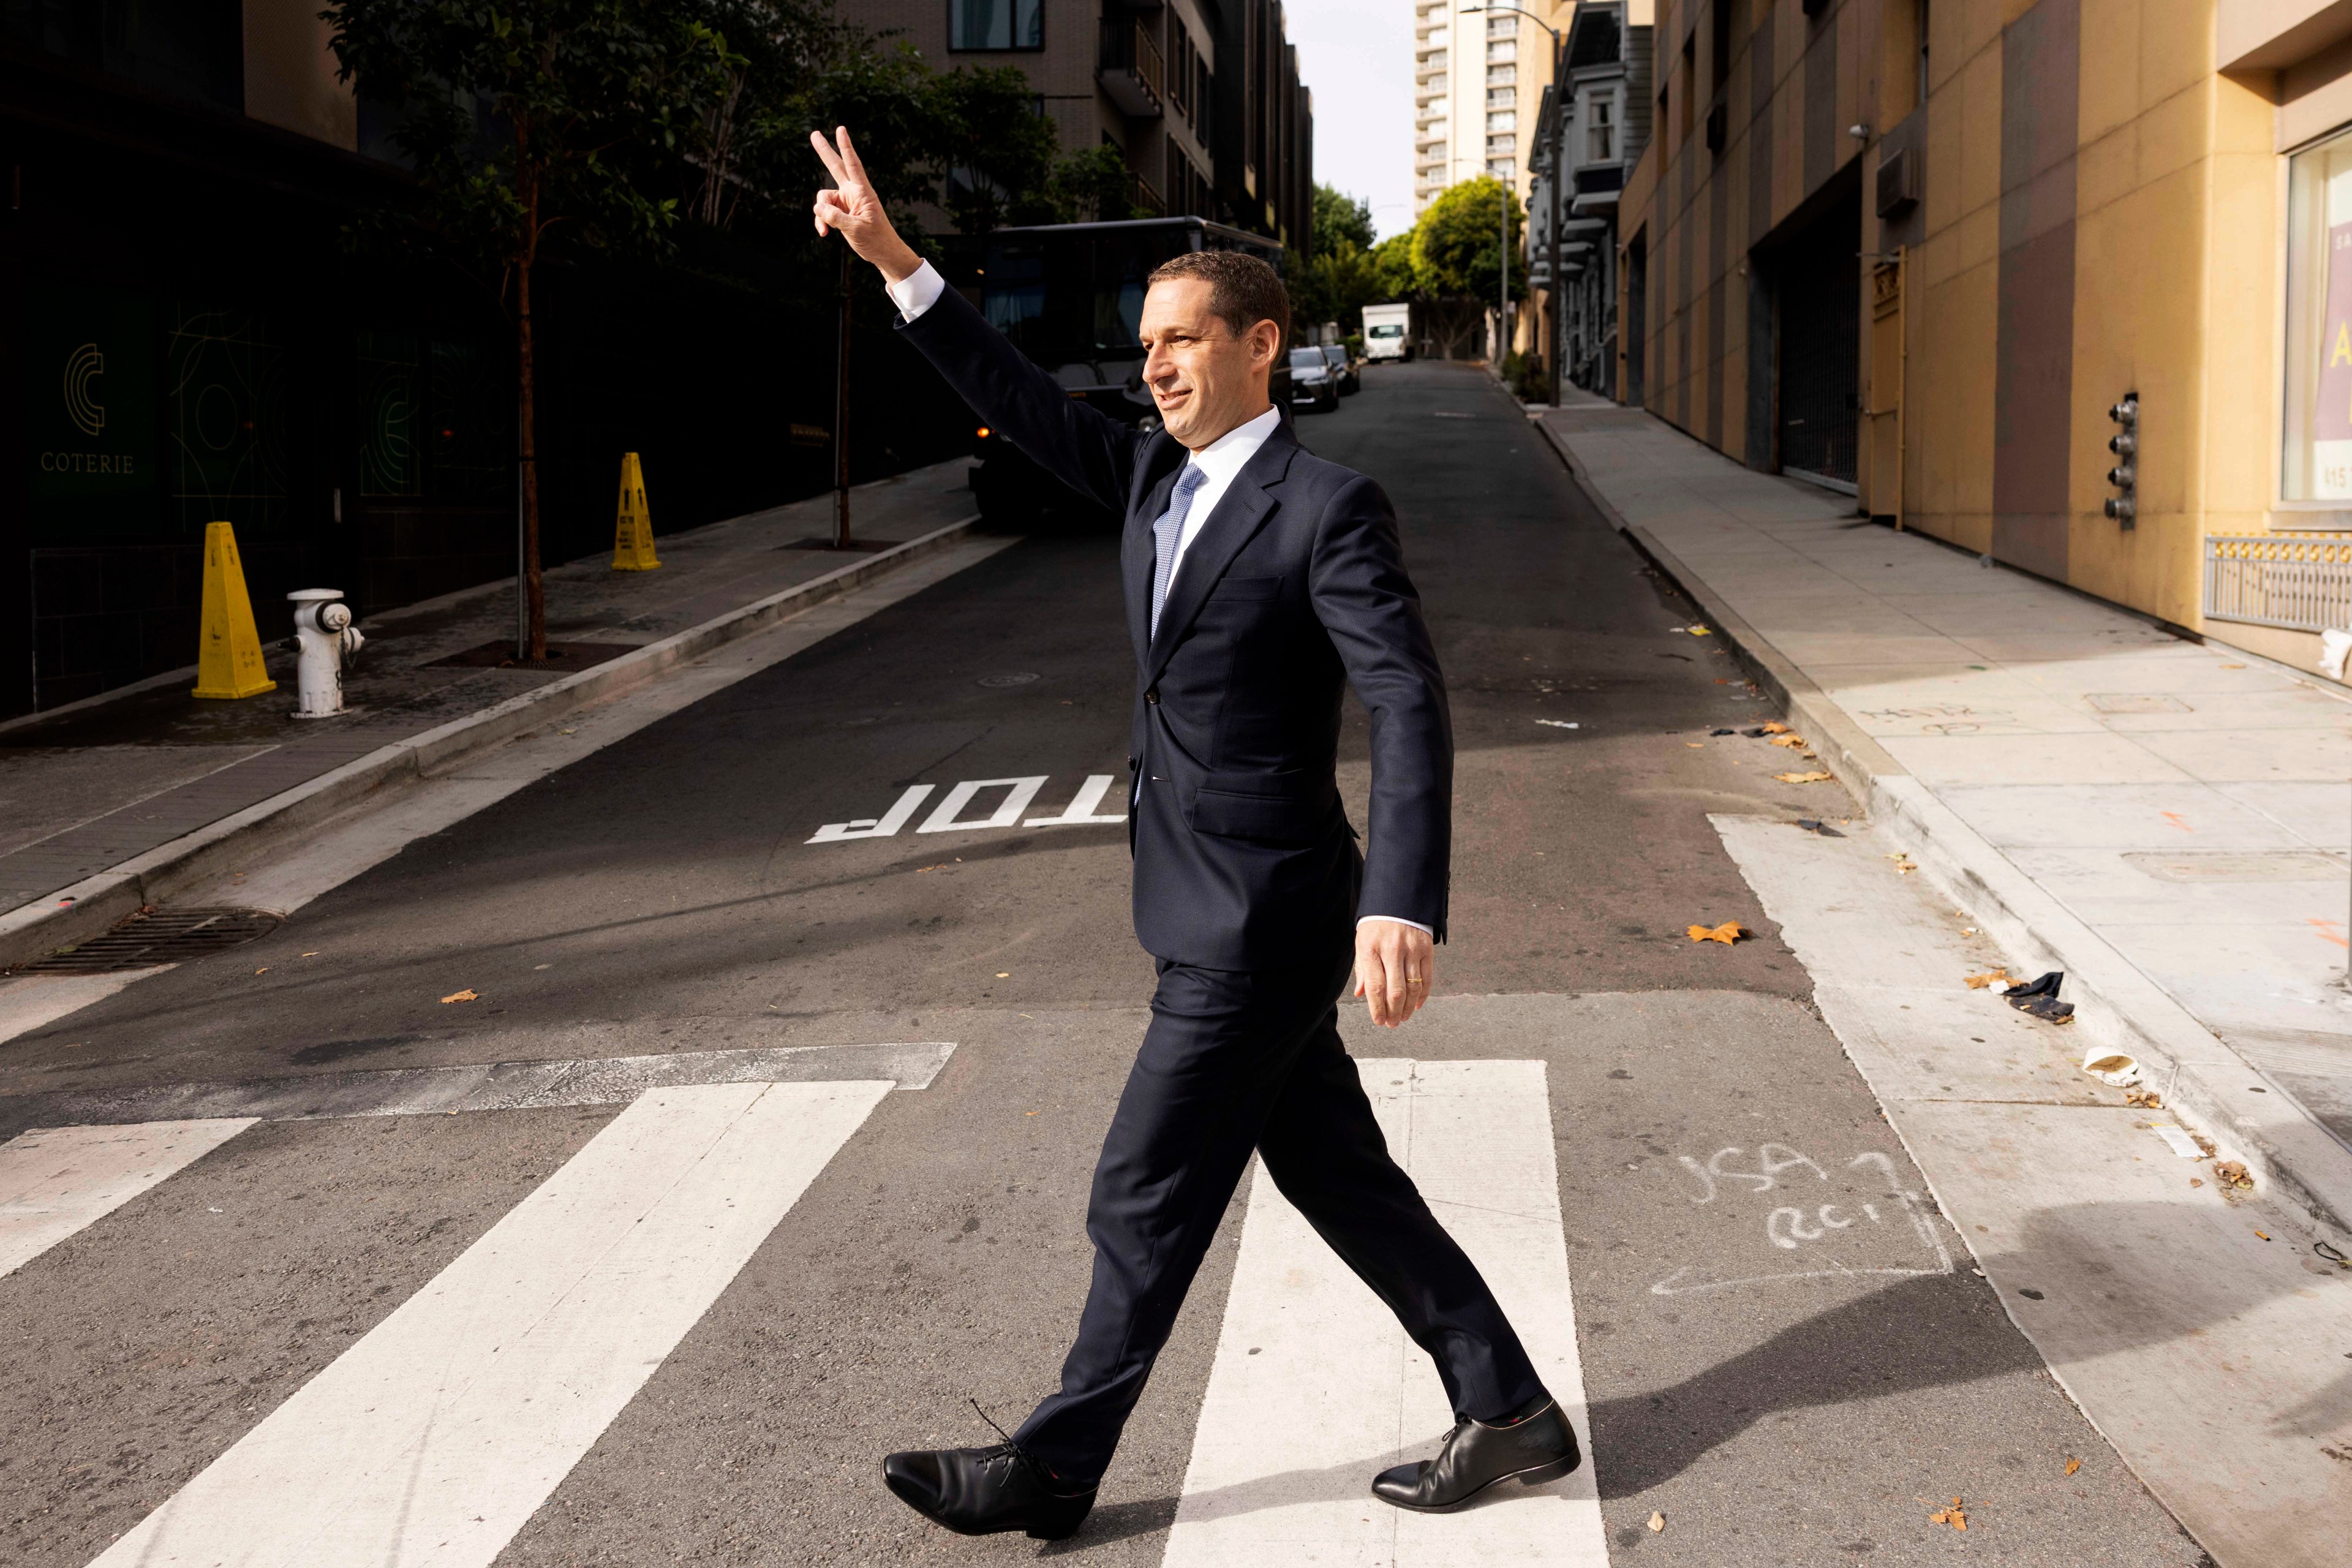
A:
(1166, 532)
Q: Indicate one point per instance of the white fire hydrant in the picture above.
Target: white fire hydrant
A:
(326, 644)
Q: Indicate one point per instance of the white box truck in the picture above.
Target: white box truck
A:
(1388, 331)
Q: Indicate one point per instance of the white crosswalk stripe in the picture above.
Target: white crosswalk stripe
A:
(54, 1181)
(1315, 1388)
(438, 1434)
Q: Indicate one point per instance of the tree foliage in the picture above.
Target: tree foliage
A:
(533, 121)
(1339, 220)
(1467, 242)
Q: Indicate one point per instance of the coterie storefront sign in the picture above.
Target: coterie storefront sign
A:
(90, 408)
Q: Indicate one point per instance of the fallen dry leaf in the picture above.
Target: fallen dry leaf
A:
(1989, 977)
(1790, 739)
(263, 969)
(1816, 777)
(1695, 745)
(1657, 1523)
(465, 995)
(1728, 932)
(2195, 1181)
(1952, 1516)
(2074, 1465)
(1773, 727)
(2233, 1174)
(1004, 974)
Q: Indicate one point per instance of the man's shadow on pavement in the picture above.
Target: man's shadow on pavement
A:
(1923, 1332)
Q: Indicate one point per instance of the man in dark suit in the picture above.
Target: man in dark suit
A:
(1259, 580)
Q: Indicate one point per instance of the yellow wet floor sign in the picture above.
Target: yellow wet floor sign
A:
(632, 533)
(228, 654)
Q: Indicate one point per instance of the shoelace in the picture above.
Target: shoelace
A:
(1010, 1449)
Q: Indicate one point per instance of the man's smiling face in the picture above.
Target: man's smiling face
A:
(1205, 378)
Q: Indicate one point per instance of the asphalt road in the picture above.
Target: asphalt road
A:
(662, 895)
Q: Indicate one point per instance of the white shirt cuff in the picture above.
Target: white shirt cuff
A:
(918, 291)
(1397, 919)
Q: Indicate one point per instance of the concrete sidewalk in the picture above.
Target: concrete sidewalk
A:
(2167, 822)
(95, 786)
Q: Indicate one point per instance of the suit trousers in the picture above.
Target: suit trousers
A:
(1235, 1060)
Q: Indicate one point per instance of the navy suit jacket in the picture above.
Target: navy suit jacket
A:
(1293, 588)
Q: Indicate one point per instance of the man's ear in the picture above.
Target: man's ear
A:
(1267, 342)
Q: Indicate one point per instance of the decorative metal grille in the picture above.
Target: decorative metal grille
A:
(2279, 579)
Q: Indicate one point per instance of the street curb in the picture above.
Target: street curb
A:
(2116, 1004)
(33, 932)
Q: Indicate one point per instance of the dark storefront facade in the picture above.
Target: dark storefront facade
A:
(190, 338)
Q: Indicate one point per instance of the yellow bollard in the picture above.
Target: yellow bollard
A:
(228, 654)
(633, 534)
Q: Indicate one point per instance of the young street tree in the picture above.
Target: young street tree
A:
(531, 123)
(1465, 250)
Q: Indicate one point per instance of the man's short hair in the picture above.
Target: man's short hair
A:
(1243, 289)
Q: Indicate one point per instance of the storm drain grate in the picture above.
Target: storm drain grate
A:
(162, 936)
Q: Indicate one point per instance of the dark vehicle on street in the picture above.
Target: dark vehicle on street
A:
(1314, 384)
(1070, 296)
(1344, 368)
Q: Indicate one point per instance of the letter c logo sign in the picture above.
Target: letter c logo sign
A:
(84, 365)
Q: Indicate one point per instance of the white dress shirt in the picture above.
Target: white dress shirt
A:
(1222, 460)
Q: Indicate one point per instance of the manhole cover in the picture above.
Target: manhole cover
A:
(1024, 679)
(166, 936)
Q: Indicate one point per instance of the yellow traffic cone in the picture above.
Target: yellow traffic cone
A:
(228, 655)
(633, 534)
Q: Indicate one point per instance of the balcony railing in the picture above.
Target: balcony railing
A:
(1146, 197)
(1129, 67)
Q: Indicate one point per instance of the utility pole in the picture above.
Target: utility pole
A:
(1559, 53)
(1555, 346)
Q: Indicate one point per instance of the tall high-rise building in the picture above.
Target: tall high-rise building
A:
(1478, 76)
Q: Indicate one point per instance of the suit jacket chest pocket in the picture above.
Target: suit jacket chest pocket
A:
(1244, 590)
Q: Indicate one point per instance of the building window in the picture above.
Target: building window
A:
(1507, 120)
(1502, 98)
(1503, 169)
(1502, 76)
(996, 23)
(2318, 461)
(1600, 130)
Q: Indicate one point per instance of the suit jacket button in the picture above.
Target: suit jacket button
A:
(1152, 696)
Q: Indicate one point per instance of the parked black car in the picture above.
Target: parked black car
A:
(1343, 369)
(1313, 384)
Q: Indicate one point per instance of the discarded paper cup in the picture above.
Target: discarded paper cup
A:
(2112, 1067)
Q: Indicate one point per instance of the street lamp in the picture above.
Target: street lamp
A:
(1551, 225)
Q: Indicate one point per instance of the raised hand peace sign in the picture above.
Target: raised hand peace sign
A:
(852, 207)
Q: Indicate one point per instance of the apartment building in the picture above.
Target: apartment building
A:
(1591, 127)
(1202, 98)
(1478, 81)
(2065, 285)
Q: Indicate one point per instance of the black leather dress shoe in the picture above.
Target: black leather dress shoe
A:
(985, 1492)
(1535, 1445)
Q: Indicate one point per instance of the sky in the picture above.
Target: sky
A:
(1356, 57)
